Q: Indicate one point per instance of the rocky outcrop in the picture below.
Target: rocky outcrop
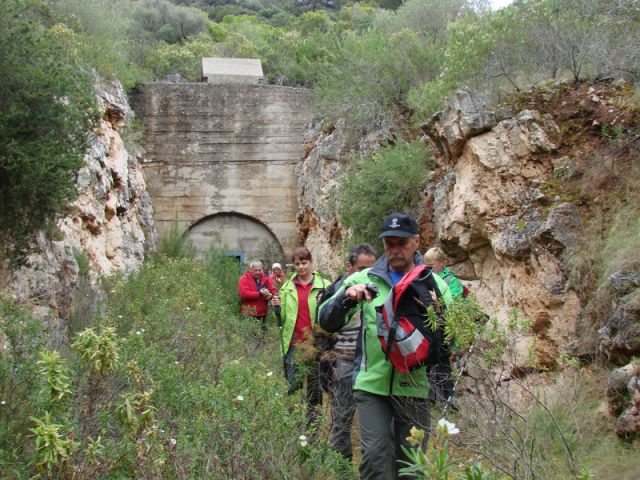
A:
(318, 176)
(623, 396)
(106, 229)
(494, 220)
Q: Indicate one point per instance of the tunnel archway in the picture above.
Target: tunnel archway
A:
(238, 235)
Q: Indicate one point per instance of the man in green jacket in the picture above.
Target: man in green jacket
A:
(389, 403)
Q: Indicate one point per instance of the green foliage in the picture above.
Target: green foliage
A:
(53, 449)
(23, 337)
(376, 186)
(53, 369)
(179, 387)
(46, 109)
(434, 462)
(163, 20)
(98, 351)
(99, 34)
(370, 76)
(174, 244)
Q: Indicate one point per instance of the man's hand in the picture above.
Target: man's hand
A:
(266, 293)
(359, 292)
(275, 300)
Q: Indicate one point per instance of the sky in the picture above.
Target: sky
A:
(498, 4)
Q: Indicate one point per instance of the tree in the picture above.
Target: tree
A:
(46, 108)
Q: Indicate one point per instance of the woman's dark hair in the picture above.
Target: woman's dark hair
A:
(301, 253)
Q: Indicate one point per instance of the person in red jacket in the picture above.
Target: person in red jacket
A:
(255, 291)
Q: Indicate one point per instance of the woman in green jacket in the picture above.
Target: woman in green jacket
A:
(298, 301)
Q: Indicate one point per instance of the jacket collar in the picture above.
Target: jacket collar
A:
(381, 267)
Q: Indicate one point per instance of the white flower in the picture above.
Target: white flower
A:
(447, 428)
(269, 374)
(188, 308)
(177, 362)
(172, 442)
(303, 440)
(138, 332)
(119, 316)
(240, 398)
(3, 402)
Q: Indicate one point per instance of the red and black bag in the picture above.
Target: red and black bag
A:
(404, 330)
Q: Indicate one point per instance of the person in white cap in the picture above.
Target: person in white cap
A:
(277, 275)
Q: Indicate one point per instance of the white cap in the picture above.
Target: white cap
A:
(276, 265)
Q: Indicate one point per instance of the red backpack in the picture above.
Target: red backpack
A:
(403, 327)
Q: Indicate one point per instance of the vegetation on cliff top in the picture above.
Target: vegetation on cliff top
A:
(367, 63)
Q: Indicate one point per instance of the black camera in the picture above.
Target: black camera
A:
(373, 289)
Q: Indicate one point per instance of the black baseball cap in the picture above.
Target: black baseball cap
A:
(398, 225)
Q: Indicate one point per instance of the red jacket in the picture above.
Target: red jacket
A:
(253, 303)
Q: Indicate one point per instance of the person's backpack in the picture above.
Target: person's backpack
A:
(403, 326)
(465, 290)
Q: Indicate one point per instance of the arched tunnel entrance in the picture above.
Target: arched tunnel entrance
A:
(240, 236)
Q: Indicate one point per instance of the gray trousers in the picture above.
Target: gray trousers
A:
(343, 409)
(385, 422)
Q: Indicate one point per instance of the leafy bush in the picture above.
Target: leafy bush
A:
(376, 186)
(171, 383)
(171, 23)
(46, 109)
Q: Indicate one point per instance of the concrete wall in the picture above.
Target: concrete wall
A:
(229, 149)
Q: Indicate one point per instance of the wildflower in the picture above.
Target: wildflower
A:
(176, 362)
(138, 332)
(188, 308)
(119, 316)
(269, 374)
(447, 428)
(172, 442)
(3, 402)
(239, 398)
(303, 440)
(201, 303)
(416, 437)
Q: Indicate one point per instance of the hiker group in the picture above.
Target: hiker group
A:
(364, 340)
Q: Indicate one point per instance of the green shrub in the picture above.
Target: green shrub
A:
(376, 186)
(46, 110)
(175, 244)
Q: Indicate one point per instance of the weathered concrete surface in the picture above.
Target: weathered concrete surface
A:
(225, 149)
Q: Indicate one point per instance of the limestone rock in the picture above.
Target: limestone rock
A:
(489, 211)
(623, 397)
(620, 337)
(318, 175)
(109, 224)
(466, 116)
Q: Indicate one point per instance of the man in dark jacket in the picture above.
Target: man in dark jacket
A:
(341, 358)
(389, 402)
(255, 291)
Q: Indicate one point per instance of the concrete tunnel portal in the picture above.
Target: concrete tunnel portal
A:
(238, 235)
(221, 163)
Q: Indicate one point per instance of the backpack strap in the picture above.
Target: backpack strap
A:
(393, 322)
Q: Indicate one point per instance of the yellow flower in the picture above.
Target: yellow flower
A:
(416, 437)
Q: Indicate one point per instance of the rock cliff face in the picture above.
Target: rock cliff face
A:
(318, 174)
(496, 224)
(106, 229)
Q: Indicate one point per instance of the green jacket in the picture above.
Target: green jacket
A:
(373, 373)
(289, 305)
(455, 286)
